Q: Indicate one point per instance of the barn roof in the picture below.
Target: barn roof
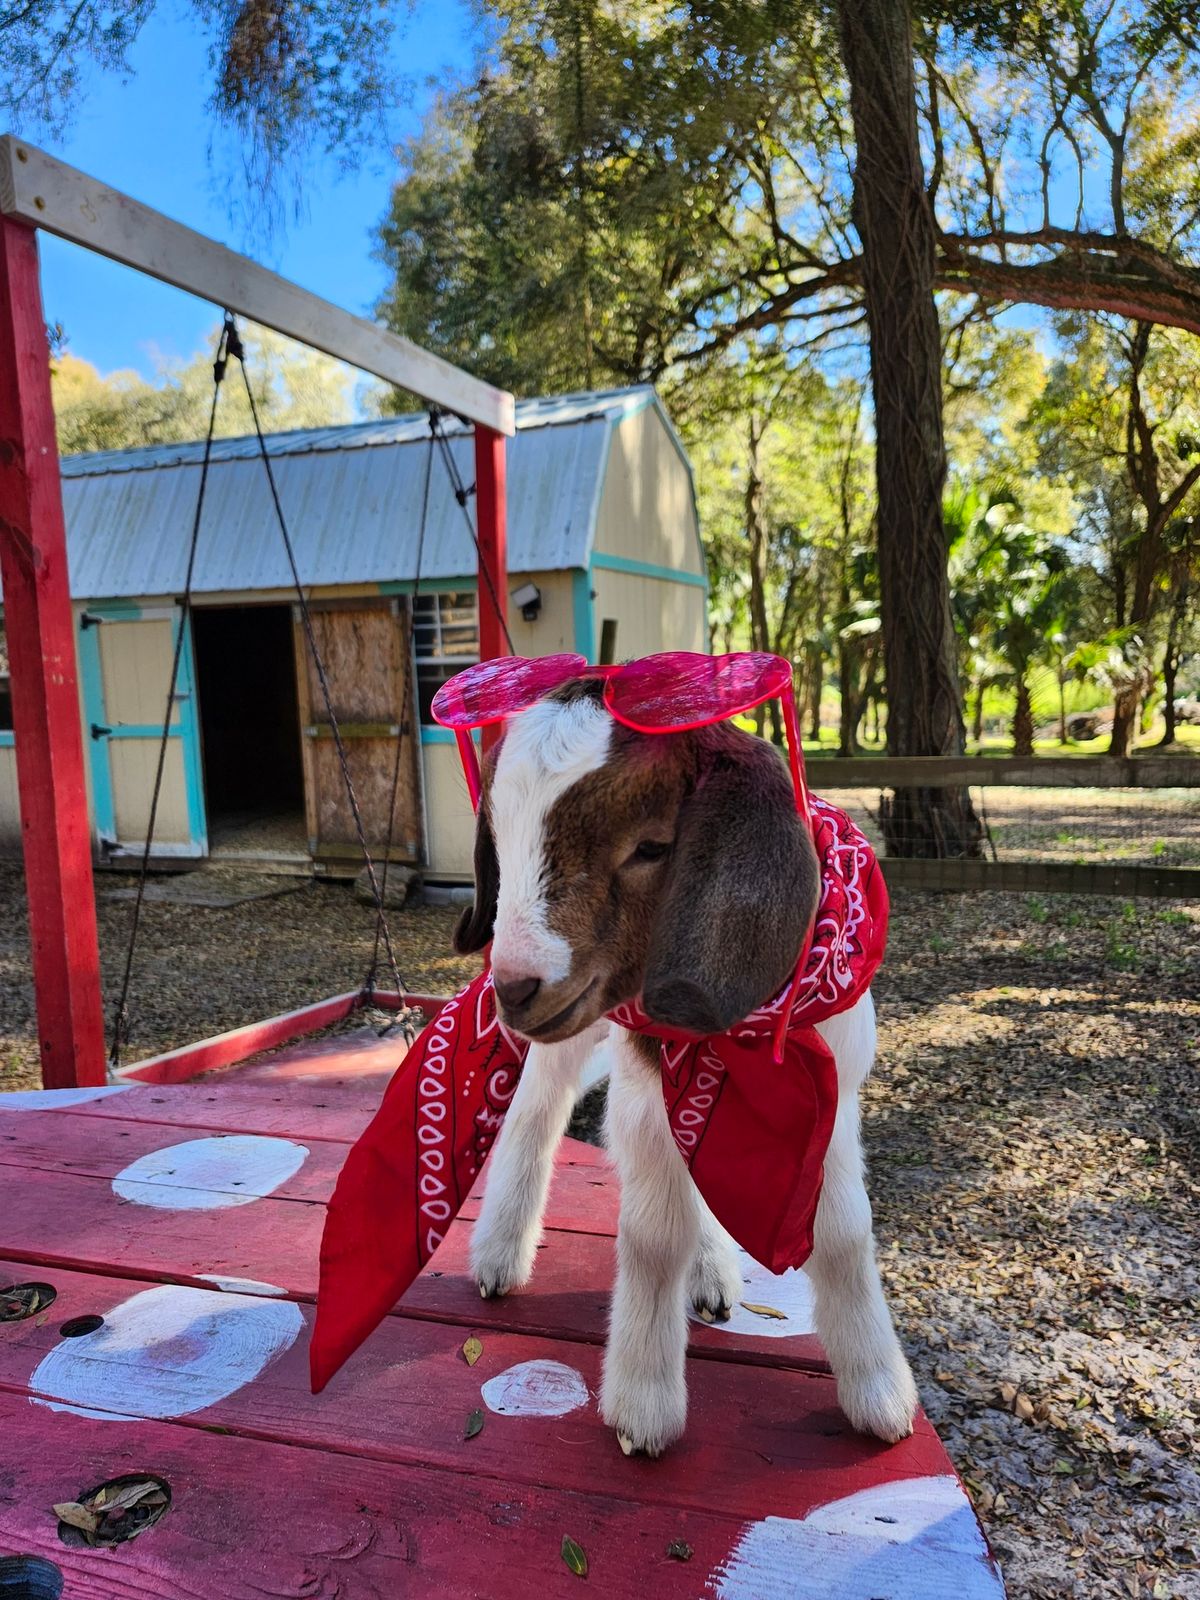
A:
(352, 497)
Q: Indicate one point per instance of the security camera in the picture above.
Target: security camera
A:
(529, 598)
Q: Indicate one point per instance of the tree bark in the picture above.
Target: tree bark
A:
(1022, 727)
(895, 223)
(814, 680)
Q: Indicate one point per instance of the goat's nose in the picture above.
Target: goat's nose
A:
(513, 993)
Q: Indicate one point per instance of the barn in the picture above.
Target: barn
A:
(604, 558)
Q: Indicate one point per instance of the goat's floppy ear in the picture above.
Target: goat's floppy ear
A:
(741, 895)
(477, 923)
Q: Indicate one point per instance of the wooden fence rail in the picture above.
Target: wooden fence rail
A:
(1038, 772)
(1041, 772)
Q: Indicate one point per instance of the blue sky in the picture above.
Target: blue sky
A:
(150, 136)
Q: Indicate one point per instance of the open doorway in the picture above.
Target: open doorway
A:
(250, 729)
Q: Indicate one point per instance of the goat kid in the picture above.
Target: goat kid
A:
(610, 865)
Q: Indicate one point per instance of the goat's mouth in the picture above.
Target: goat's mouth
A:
(561, 1025)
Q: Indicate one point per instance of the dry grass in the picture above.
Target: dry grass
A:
(1032, 1136)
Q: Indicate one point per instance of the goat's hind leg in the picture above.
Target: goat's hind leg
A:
(504, 1241)
(715, 1284)
(875, 1386)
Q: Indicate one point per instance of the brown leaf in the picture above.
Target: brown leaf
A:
(133, 1494)
(1023, 1408)
(77, 1516)
(472, 1350)
(680, 1550)
(575, 1556)
(474, 1425)
(764, 1311)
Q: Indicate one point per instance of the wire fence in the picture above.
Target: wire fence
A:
(1080, 824)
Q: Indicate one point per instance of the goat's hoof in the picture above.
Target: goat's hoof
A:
(626, 1444)
(882, 1402)
(646, 1417)
(499, 1266)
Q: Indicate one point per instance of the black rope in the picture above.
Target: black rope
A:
(462, 494)
(235, 349)
(120, 1022)
(406, 688)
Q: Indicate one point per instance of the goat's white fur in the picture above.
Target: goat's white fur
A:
(670, 1248)
(546, 750)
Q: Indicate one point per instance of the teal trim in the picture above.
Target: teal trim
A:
(104, 811)
(428, 585)
(585, 620)
(647, 569)
(187, 729)
(434, 733)
(7, 741)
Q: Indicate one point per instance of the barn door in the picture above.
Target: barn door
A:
(364, 645)
(125, 656)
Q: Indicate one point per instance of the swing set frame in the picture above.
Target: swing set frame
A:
(38, 192)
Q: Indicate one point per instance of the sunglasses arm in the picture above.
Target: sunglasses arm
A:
(470, 764)
(796, 760)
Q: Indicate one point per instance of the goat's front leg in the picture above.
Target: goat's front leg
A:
(644, 1395)
(874, 1383)
(504, 1241)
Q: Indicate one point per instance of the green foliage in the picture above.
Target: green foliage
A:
(293, 388)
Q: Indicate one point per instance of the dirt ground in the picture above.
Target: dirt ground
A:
(1033, 1133)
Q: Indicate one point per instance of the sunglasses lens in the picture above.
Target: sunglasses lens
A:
(680, 689)
(497, 689)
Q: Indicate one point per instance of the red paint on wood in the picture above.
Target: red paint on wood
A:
(224, 1049)
(492, 521)
(585, 1196)
(250, 1518)
(759, 1442)
(60, 1141)
(338, 1109)
(45, 694)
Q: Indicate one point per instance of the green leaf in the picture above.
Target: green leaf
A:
(575, 1556)
(474, 1425)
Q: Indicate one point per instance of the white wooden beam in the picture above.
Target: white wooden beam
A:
(37, 189)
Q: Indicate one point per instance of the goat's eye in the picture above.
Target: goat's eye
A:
(651, 850)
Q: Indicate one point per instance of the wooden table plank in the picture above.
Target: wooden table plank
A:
(759, 1441)
(103, 1147)
(249, 1519)
(337, 1111)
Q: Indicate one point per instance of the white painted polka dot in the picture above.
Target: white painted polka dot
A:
(915, 1540)
(207, 1174)
(58, 1099)
(240, 1285)
(790, 1292)
(167, 1352)
(536, 1389)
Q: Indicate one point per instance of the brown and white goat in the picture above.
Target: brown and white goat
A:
(611, 864)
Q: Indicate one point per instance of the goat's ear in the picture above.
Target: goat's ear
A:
(478, 922)
(740, 897)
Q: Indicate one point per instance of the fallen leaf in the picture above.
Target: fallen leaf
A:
(474, 1425)
(134, 1494)
(575, 1557)
(472, 1350)
(764, 1311)
(680, 1550)
(77, 1516)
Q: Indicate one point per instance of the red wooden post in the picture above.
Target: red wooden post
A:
(45, 694)
(490, 507)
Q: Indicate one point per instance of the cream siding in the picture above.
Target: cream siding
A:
(652, 614)
(647, 509)
(449, 822)
(10, 811)
(554, 630)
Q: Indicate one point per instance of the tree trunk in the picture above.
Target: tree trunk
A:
(851, 704)
(760, 631)
(1125, 704)
(814, 682)
(1062, 707)
(1022, 726)
(895, 224)
(1170, 671)
(977, 730)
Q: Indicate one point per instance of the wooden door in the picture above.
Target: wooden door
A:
(364, 645)
(125, 655)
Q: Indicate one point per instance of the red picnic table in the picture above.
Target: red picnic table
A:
(159, 1243)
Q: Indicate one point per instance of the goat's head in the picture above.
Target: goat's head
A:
(611, 864)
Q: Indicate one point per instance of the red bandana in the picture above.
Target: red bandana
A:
(753, 1133)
